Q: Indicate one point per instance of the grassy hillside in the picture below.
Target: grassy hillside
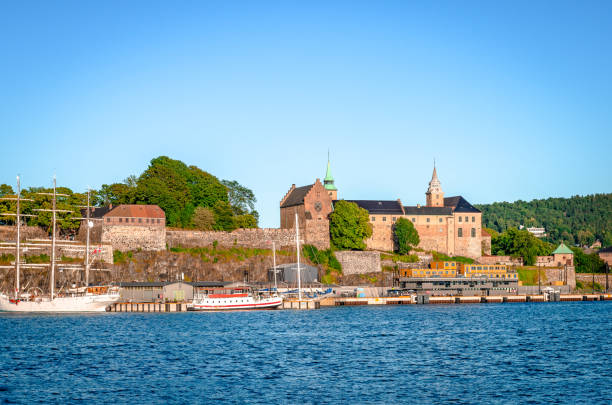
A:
(576, 220)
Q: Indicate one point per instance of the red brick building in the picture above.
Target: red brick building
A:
(132, 226)
(313, 204)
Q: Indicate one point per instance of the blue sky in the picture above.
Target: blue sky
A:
(512, 98)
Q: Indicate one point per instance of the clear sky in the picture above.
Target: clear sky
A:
(513, 99)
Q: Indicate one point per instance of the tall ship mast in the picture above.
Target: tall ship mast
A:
(90, 300)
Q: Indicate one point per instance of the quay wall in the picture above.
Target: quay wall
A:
(255, 238)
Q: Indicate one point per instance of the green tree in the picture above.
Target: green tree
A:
(406, 236)
(245, 221)
(587, 263)
(520, 243)
(203, 219)
(349, 226)
(178, 189)
(224, 217)
(115, 194)
(242, 199)
(6, 190)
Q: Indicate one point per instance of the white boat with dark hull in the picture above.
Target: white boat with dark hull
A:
(238, 298)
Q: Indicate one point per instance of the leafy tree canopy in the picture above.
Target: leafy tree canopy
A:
(520, 243)
(406, 236)
(349, 226)
(575, 220)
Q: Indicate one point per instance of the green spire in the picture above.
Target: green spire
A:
(329, 179)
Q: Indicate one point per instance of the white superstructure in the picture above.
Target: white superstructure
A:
(240, 298)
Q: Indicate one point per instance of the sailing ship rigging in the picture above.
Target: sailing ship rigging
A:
(89, 299)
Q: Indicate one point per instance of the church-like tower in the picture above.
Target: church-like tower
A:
(434, 195)
(328, 181)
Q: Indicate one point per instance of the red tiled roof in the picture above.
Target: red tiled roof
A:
(485, 233)
(136, 211)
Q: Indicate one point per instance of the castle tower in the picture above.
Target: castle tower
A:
(328, 181)
(434, 195)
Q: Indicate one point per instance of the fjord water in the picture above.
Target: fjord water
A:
(491, 353)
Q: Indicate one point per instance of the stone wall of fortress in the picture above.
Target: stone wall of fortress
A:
(132, 237)
(8, 233)
(356, 262)
(256, 238)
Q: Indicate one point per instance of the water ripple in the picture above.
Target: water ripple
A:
(506, 353)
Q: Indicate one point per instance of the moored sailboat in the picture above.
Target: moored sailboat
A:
(89, 299)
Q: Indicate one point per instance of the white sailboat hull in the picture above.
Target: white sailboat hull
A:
(83, 303)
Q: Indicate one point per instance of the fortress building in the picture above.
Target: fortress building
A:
(313, 204)
(449, 225)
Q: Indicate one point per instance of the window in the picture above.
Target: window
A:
(460, 232)
(467, 219)
(132, 220)
(159, 221)
(120, 219)
(427, 219)
(473, 232)
(413, 219)
(384, 219)
(373, 219)
(459, 219)
(107, 219)
(440, 220)
(473, 219)
(140, 220)
(393, 219)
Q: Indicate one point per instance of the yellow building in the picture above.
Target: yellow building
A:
(486, 270)
(433, 272)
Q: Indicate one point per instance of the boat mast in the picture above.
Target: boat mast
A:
(297, 242)
(87, 247)
(53, 211)
(52, 282)
(274, 261)
(17, 258)
(17, 216)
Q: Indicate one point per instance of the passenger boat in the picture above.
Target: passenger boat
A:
(240, 298)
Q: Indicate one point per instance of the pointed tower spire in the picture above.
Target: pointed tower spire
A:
(434, 195)
(328, 181)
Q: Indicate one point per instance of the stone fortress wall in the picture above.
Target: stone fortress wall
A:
(130, 237)
(254, 238)
(359, 262)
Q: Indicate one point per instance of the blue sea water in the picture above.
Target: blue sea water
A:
(483, 353)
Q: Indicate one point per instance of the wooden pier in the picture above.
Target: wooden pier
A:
(147, 307)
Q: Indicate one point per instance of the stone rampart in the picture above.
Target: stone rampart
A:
(132, 237)
(8, 233)
(599, 278)
(255, 238)
(356, 262)
(507, 260)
